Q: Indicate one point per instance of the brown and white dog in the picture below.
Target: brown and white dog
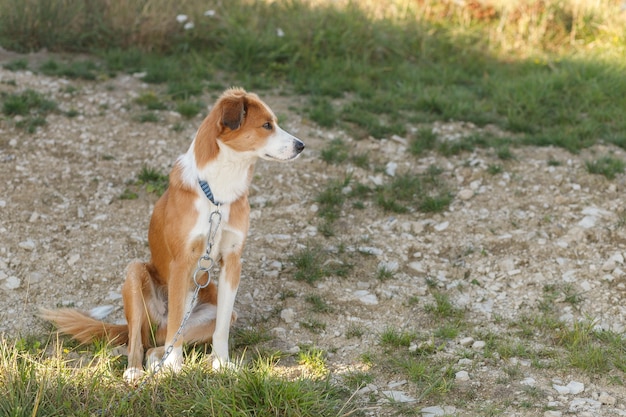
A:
(239, 129)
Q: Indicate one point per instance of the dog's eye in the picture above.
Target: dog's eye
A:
(268, 126)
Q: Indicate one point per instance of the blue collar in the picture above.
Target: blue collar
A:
(207, 191)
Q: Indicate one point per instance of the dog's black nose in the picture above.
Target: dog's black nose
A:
(299, 146)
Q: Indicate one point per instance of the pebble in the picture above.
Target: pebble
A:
(398, 396)
(573, 388)
(71, 261)
(417, 266)
(465, 194)
(479, 344)
(12, 283)
(367, 389)
(390, 169)
(462, 376)
(576, 387)
(396, 384)
(466, 341)
(587, 222)
(366, 297)
(369, 250)
(287, 315)
(530, 382)
(279, 332)
(442, 226)
(607, 399)
(432, 411)
(28, 245)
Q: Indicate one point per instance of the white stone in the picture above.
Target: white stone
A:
(462, 376)
(101, 312)
(366, 297)
(607, 399)
(466, 341)
(369, 250)
(587, 222)
(293, 350)
(396, 384)
(432, 411)
(552, 413)
(279, 332)
(71, 261)
(575, 387)
(12, 283)
(390, 168)
(287, 315)
(530, 382)
(442, 226)
(28, 245)
(563, 390)
(465, 194)
(618, 257)
(398, 396)
(391, 266)
(609, 265)
(417, 266)
(479, 344)
(367, 389)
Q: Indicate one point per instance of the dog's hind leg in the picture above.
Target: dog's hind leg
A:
(137, 292)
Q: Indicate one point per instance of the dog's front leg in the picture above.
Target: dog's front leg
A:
(226, 292)
(178, 299)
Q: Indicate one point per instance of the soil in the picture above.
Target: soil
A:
(544, 222)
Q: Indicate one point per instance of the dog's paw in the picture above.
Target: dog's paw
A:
(133, 375)
(220, 364)
(153, 358)
(173, 362)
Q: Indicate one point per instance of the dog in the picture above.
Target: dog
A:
(212, 176)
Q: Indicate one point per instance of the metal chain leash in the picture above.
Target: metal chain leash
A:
(200, 268)
(214, 222)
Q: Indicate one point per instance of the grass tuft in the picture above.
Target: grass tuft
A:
(607, 166)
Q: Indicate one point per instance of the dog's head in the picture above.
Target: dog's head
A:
(244, 123)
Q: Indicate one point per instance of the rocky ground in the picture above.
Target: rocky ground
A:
(543, 222)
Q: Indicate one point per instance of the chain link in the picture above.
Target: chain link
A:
(214, 223)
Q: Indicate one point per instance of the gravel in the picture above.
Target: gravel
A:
(66, 237)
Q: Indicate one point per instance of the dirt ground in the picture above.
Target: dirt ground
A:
(66, 238)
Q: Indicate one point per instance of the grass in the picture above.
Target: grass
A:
(152, 181)
(29, 108)
(553, 75)
(607, 165)
(410, 192)
(35, 382)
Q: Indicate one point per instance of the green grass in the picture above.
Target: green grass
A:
(150, 179)
(372, 71)
(607, 165)
(34, 381)
(309, 264)
(16, 65)
(30, 107)
(318, 304)
(410, 192)
(84, 69)
(335, 152)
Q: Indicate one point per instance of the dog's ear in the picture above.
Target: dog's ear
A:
(233, 112)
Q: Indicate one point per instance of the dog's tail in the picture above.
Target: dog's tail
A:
(85, 328)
